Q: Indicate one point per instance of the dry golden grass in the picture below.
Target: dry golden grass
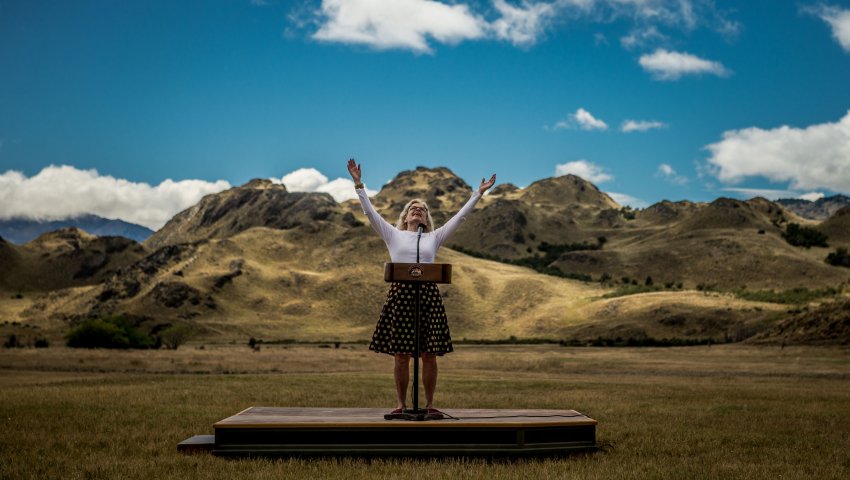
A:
(698, 412)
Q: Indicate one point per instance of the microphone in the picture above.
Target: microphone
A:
(420, 229)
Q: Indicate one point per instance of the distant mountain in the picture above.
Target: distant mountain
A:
(21, 230)
(68, 257)
(821, 209)
(258, 203)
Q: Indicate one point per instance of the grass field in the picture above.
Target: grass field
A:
(699, 412)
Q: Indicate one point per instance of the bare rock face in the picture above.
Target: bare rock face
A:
(258, 203)
(820, 209)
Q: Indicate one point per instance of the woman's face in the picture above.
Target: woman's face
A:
(416, 214)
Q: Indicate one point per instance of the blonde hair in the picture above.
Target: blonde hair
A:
(402, 219)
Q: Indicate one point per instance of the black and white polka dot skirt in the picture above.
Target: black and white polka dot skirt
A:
(395, 330)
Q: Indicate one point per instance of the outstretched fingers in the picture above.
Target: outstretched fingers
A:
(485, 185)
(354, 170)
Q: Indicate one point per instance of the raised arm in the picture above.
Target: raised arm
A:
(444, 232)
(378, 223)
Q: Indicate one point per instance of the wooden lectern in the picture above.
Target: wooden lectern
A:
(416, 273)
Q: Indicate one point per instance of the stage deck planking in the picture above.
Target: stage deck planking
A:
(275, 417)
(273, 431)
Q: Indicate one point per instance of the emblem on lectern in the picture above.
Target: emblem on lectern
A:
(415, 271)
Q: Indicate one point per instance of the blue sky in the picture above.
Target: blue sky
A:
(141, 107)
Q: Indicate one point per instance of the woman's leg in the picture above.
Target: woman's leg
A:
(429, 377)
(401, 373)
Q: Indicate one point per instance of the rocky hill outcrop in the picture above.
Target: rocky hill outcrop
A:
(258, 203)
(820, 209)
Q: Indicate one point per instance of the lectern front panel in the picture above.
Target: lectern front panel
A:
(418, 272)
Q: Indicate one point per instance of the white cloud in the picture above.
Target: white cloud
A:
(838, 20)
(580, 119)
(311, 180)
(414, 24)
(58, 192)
(641, 125)
(586, 121)
(521, 25)
(667, 172)
(584, 169)
(303, 180)
(406, 24)
(625, 199)
(808, 158)
(665, 65)
(641, 37)
(811, 196)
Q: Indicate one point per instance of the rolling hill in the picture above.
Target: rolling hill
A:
(259, 261)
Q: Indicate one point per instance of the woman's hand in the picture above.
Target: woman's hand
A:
(486, 185)
(354, 170)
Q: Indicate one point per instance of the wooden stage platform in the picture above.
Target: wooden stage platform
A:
(269, 431)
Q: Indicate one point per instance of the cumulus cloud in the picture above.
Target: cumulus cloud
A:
(641, 125)
(584, 169)
(415, 24)
(311, 180)
(814, 157)
(586, 121)
(838, 20)
(625, 199)
(666, 65)
(667, 172)
(58, 192)
(406, 24)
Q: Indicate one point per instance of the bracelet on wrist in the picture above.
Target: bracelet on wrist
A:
(359, 186)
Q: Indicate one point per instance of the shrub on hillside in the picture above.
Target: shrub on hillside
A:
(175, 335)
(790, 297)
(109, 332)
(12, 342)
(807, 237)
(839, 258)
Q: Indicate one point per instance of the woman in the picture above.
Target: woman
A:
(395, 329)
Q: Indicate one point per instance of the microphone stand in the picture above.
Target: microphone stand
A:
(416, 345)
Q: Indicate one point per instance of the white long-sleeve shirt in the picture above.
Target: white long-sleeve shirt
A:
(402, 243)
